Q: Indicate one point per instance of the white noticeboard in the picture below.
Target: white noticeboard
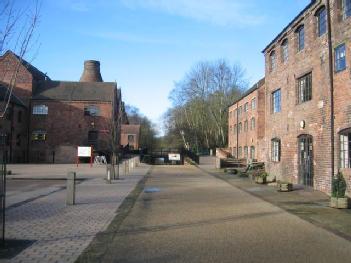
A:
(174, 156)
(84, 151)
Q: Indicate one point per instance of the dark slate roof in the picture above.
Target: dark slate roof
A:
(259, 84)
(290, 24)
(4, 95)
(36, 73)
(75, 91)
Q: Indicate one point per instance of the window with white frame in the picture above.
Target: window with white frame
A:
(40, 110)
(246, 107)
(340, 58)
(240, 127)
(246, 152)
(304, 88)
(345, 149)
(240, 153)
(300, 38)
(246, 126)
(253, 104)
(252, 152)
(275, 150)
(321, 21)
(285, 50)
(276, 101)
(346, 8)
(253, 123)
(273, 61)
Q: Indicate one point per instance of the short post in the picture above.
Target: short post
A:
(108, 173)
(71, 188)
(125, 167)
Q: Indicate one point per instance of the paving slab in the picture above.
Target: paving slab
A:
(60, 233)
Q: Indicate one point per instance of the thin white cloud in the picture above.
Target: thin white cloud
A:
(219, 12)
(129, 38)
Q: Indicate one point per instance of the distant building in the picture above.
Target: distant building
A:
(64, 114)
(130, 135)
(246, 124)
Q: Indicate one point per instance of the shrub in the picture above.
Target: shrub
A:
(338, 186)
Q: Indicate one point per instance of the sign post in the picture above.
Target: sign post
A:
(85, 151)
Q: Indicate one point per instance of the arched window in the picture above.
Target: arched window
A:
(272, 60)
(275, 150)
(300, 38)
(321, 16)
(285, 50)
(345, 149)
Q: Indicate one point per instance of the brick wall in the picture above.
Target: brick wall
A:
(67, 127)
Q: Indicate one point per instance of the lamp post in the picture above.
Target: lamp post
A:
(3, 159)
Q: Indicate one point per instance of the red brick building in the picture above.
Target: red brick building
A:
(307, 97)
(13, 127)
(246, 124)
(130, 135)
(63, 115)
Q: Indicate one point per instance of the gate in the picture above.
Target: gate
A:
(306, 160)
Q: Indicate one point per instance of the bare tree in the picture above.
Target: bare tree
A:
(17, 33)
(200, 102)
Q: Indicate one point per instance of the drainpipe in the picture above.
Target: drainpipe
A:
(331, 83)
(237, 130)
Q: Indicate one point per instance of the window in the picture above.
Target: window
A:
(276, 101)
(246, 152)
(273, 61)
(91, 110)
(346, 8)
(345, 149)
(93, 136)
(300, 38)
(340, 58)
(322, 21)
(285, 50)
(40, 110)
(253, 123)
(18, 140)
(240, 110)
(246, 126)
(253, 104)
(234, 152)
(304, 88)
(275, 150)
(39, 135)
(240, 127)
(131, 139)
(246, 107)
(252, 152)
(240, 152)
(19, 116)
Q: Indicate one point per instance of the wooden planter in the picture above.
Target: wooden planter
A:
(260, 180)
(340, 203)
(284, 187)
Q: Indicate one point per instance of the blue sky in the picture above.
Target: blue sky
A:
(147, 45)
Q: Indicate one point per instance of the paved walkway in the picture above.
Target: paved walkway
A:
(60, 233)
(195, 217)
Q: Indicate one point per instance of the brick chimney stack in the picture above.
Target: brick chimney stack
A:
(91, 72)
